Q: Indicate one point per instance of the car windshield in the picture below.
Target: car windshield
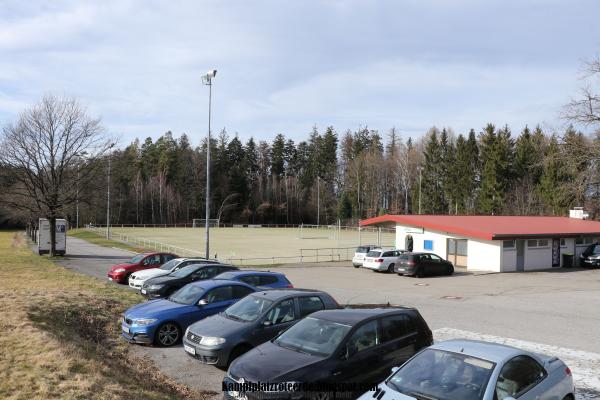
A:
(185, 271)
(596, 249)
(313, 336)
(438, 374)
(248, 309)
(136, 259)
(187, 295)
(374, 253)
(362, 249)
(169, 265)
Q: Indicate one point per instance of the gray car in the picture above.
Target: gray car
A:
(473, 370)
(255, 319)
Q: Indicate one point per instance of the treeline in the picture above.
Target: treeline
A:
(349, 176)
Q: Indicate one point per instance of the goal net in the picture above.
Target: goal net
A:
(318, 232)
(201, 223)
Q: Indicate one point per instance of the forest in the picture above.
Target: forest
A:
(347, 176)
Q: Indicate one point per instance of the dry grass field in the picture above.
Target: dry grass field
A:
(254, 246)
(60, 335)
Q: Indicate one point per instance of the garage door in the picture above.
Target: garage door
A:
(457, 252)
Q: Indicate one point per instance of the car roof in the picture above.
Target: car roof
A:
(250, 272)
(352, 316)
(495, 352)
(211, 283)
(277, 294)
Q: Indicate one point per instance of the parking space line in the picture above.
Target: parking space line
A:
(584, 365)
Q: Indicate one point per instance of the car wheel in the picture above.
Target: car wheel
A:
(391, 268)
(450, 270)
(355, 265)
(168, 334)
(568, 397)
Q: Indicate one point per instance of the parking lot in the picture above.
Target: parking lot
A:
(550, 311)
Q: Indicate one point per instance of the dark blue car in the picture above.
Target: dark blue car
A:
(163, 321)
(264, 279)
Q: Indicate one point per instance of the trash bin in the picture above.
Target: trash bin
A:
(567, 260)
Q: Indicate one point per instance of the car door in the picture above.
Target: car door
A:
(281, 316)
(524, 378)
(360, 360)
(152, 261)
(203, 273)
(438, 266)
(218, 299)
(399, 340)
(253, 280)
(424, 263)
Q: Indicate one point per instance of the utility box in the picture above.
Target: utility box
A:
(43, 236)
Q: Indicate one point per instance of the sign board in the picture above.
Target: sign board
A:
(555, 252)
(428, 245)
(410, 229)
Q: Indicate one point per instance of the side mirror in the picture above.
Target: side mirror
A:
(266, 323)
(202, 302)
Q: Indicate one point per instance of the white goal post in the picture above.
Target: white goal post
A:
(330, 232)
(201, 223)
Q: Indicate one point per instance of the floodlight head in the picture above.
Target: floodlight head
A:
(212, 73)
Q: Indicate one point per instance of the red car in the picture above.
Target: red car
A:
(120, 272)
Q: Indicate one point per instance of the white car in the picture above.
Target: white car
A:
(137, 279)
(360, 253)
(473, 370)
(381, 259)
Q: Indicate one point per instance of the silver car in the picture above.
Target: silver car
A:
(473, 370)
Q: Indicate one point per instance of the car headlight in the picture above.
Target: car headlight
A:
(155, 287)
(120, 270)
(144, 321)
(211, 341)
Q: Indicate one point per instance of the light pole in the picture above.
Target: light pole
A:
(318, 202)
(207, 80)
(108, 197)
(420, 179)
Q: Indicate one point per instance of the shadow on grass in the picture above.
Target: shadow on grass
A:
(91, 325)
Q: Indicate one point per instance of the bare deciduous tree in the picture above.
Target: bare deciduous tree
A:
(52, 149)
(585, 109)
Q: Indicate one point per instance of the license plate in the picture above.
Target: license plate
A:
(189, 349)
(126, 330)
(143, 291)
(401, 269)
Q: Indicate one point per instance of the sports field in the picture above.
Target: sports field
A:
(254, 246)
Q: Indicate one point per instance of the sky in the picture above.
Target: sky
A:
(286, 66)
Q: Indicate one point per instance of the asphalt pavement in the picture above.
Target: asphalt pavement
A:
(555, 309)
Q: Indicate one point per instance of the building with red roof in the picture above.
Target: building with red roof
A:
(494, 243)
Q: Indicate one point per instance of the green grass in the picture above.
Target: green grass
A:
(60, 335)
(94, 238)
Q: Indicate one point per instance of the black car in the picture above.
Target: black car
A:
(330, 349)
(423, 264)
(591, 256)
(163, 286)
(250, 322)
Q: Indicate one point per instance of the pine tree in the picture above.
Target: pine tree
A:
(431, 187)
(490, 196)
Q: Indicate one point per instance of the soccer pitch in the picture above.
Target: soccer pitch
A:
(257, 246)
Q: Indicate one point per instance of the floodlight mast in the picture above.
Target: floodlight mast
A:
(207, 80)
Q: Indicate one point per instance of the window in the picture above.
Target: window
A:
(205, 273)
(364, 338)
(581, 241)
(223, 293)
(396, 327)
(282, 312)
(435, 258)
(563, 242)
(152, 260)
(518, 376)
(461, 247)
(428, 245)
(241, 291)
(309, 305)
(253, 280)
(167, 257)
(373, 253)
(267, 279)
(508, 244)
(533, 243)
(388, 254)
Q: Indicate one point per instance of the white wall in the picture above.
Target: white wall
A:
(482, 254)
(485, 255)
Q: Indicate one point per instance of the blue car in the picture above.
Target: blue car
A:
(263, 279)
(163, 321)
